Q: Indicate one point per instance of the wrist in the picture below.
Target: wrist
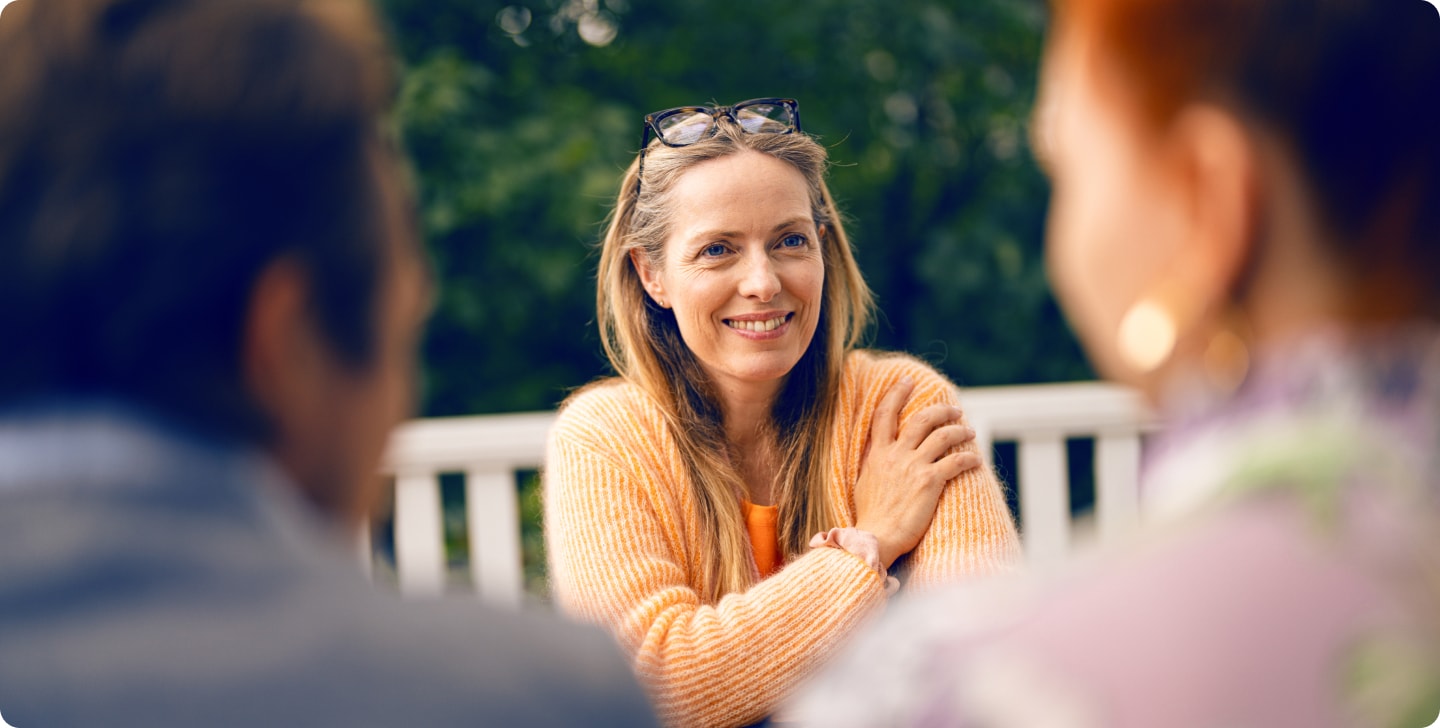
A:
(888, 551)
(862, 544)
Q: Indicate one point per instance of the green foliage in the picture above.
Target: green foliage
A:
(532, 537)
(520, 129)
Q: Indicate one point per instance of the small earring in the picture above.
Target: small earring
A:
(1151, 330)
(1227, 357)
(1147, 335)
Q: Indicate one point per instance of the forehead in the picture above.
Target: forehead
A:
(738, 190)
(1079, 108)
(1061, 72)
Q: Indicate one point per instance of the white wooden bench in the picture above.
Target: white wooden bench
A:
(488, 450)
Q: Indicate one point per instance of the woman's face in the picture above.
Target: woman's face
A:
(742, 269)
(1115, 227)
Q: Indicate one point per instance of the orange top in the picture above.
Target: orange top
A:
(623, 537)
(761, 522)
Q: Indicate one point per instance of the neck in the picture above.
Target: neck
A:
(1296, 284)
(746, 413)
(1300, 281)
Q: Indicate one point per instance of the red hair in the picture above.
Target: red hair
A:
(1353, 86)
(1166, 53)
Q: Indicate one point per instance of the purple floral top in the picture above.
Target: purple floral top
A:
(1288, 575)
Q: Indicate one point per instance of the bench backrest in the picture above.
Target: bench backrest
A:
(488, 450)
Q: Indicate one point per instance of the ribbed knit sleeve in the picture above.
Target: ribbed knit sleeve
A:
(623, 543)
(973, 533)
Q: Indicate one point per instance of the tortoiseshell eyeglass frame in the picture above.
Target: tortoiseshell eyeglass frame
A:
(791, 124)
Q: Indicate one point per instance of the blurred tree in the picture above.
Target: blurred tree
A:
(521, 118)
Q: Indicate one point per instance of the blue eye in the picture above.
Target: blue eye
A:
(713, 251)
(793, 241)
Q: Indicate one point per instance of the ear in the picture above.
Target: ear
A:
(1218, 167)
(649, 278)
(281, 359)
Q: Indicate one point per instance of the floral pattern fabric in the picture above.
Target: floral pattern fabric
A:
(1288, 574)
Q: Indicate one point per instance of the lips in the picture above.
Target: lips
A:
(759, 325)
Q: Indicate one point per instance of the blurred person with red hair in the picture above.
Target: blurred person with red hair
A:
(1245, 226)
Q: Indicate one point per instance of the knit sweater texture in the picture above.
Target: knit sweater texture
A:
(623, 540)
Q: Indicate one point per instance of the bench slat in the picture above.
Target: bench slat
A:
(1117, 484)
(1044, 497)
(493, 517)
(419, 535)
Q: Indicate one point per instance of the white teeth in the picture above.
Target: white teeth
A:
(758, 326)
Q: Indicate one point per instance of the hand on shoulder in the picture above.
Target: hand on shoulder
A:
(905, 468)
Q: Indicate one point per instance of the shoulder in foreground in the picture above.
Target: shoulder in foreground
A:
(512, 668)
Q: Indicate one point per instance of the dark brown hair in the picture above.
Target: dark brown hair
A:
(155, 156)
(1353, 86)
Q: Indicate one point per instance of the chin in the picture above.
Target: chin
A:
(766, 371)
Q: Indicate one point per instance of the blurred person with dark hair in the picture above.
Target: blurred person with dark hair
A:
(1246, 226)
(210, 293)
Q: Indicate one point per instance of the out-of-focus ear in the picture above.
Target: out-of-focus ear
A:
(1219, 164)
(290, 372)
(1212, 167)
(649, 278)
(278, 355)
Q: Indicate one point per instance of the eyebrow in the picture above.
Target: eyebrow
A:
(708, 234)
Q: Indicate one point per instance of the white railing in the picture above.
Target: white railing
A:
(489, 449)
(1039, 419)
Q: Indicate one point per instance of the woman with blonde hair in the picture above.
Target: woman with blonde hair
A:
(731, 504)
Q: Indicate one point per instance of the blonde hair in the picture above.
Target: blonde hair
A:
(644, 345)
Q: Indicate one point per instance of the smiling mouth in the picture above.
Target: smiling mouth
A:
(760, 326)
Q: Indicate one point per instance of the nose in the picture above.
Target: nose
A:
(758, 278)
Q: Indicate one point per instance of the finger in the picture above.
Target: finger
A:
(942, 440)
(969, 432)
(922, 423)
(953, 465)
(886, 420)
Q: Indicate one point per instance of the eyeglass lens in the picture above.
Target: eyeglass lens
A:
(688, 126)
(764, 118)
(685, 127)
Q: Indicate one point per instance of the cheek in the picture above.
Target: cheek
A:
(808, 283)
(694, 301)
(1109, 245)
(378, 402)
(1085, 238)
(694, 296)
(385, 396)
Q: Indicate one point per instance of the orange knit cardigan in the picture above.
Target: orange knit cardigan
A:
(623, 544)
